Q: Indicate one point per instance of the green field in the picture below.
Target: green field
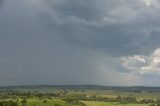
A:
(80, 96)
(93, 103)
(36, 102)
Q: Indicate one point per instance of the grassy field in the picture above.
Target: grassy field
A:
(143, 94)
(80, 96)
(94, 103)
(36, 102)
(53, 102)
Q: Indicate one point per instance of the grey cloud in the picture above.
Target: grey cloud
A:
(31, 53)
(1, 1)
(118, 27)
(76, 44)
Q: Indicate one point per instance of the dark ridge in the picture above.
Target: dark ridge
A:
(96, 87)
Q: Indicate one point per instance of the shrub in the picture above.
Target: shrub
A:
(57, 104)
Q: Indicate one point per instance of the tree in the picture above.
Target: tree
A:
(24, 101)
(57, 104)
(45, 101)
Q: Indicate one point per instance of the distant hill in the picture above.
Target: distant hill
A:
(96, 87)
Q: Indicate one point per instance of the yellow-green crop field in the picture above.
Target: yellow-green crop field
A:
(54, 102)
(94, 103)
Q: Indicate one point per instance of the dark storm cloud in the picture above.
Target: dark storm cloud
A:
(80, 43)
(31, 53)
(1, 1)
(120, 27)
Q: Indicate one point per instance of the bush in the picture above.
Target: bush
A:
(57, 104)
(8, 103)
(45, 101)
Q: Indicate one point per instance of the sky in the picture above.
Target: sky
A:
(74, 42)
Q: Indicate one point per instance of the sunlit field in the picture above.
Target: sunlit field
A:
(93, 103)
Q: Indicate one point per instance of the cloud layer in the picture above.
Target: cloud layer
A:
(1, 1)
(104, 42)
(120, 27)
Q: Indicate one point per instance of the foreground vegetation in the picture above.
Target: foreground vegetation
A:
(79, 96)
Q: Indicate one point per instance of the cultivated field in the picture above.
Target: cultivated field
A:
(79, 96)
